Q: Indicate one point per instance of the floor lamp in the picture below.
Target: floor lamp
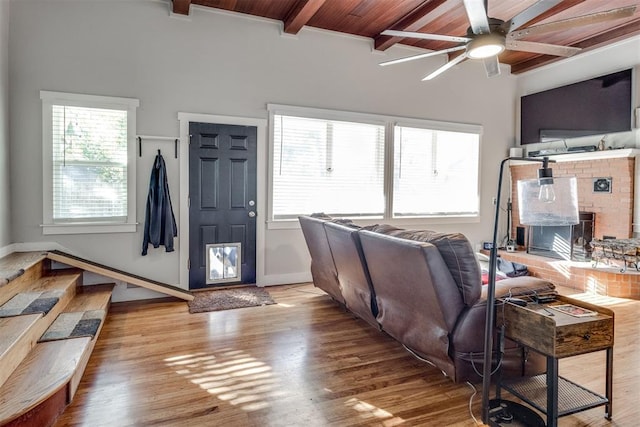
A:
(542, 201)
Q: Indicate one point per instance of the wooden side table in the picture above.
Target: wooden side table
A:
(558, 335)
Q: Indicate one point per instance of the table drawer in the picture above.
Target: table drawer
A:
(557, 334)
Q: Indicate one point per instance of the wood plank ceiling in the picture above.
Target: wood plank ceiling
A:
(369, 18)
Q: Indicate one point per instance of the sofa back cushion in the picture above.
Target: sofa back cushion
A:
(457, 253)
(353, 273)
(418, 302)
(323, 269)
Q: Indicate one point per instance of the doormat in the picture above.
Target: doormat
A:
(74, 325)
(30, 303)
(227, 299)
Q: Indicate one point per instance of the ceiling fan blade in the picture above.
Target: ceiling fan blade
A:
(425, 36)
(492, 66)
(477, 16)
(565, 24)
(528, 14)
(422, 55)
(542, 48)
(446, 66)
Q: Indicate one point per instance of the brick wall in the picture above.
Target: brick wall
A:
(581, 276)
(614, 211)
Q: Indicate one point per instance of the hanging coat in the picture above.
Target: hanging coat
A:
(159, 223)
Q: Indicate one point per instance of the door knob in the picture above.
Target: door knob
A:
(252, 214)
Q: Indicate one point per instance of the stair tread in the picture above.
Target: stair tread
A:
(94, 297)
(47, 368)
(18, 344)
(32, 372)
(14, 264)
(12, 328)
(55, 280)
(93, 300)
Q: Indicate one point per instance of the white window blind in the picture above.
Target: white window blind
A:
(435, 172)
(89, 164)
(335, 167)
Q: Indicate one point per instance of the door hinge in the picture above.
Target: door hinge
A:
(189, 201)
(190, 137)
(189, 264)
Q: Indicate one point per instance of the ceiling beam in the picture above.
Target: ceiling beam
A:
(413, 21)
(181, 7)
(622, 32)
(300, 14)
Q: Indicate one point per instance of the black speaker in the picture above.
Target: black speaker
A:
(520, 236)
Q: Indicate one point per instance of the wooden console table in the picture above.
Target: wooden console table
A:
(558, 335)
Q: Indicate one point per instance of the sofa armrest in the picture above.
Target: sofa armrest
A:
(520, 286)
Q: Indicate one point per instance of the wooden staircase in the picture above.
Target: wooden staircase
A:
(39, 379)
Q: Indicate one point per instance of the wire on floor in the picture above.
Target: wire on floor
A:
(475, 391)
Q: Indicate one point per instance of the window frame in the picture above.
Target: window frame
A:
(49, 226)
(435, 126)
(389, 123)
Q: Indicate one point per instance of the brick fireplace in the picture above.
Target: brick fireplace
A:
(614, 218)
(569, 242)
(613, 210)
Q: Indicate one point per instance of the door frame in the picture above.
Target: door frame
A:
(261, 124)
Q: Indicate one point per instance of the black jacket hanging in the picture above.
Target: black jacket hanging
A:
(159, 223)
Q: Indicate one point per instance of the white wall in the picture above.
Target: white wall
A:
(5, 202)
(221, 64)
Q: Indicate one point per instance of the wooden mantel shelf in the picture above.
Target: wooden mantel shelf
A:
(591, 155)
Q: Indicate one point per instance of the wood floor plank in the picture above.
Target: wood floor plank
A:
(302, 362)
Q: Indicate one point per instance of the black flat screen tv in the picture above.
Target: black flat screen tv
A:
(596, 106)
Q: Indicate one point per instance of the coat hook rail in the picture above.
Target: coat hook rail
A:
(158, 138)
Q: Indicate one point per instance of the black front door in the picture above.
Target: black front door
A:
(222, 196)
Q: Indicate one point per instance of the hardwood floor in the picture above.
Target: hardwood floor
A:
(303, 362)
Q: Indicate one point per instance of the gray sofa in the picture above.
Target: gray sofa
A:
(421, 287)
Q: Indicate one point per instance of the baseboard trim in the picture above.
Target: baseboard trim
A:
(284, 279)
(6, 250)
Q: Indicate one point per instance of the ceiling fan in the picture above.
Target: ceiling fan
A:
(487, 37)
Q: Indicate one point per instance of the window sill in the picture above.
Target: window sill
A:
(397, 222)
(88, 228)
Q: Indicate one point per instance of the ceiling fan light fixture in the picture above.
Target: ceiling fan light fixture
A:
(485, 46)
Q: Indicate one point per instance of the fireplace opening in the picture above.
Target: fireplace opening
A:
(569, 242)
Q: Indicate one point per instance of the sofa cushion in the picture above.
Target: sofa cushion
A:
(457, 253)
(344, 221)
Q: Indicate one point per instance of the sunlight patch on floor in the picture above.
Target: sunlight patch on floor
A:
(368, 411)
(232, 376)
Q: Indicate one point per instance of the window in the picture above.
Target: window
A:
(89, 175)
(367, 166)
(327, 166)
(441, 165)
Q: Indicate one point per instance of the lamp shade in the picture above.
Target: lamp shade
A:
(548, 202)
